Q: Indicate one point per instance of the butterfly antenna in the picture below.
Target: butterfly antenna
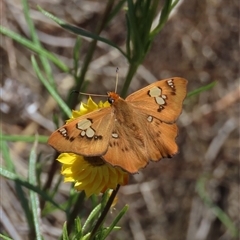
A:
(88, 94)
(116, 79)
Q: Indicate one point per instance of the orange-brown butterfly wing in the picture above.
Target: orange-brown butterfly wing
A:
(136, 143)
(131, 132)
(145, 128)
(162, 99)
(87, 135)
(127, 148)
(160, 139)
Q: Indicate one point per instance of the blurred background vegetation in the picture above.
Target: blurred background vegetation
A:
(195, 195)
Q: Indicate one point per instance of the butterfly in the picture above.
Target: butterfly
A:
(131, 132)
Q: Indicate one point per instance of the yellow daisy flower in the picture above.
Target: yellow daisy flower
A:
(90, 174)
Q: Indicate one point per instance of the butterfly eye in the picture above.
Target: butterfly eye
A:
(111, 100)
(112, 97)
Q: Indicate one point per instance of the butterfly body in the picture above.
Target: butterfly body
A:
(130, 132)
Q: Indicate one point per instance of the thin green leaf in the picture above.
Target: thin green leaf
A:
(131, 71)
(89, 56)
(128, 40)
(86, 237)
(33, 196)
(220, 214)
(23, 138)
(29, 22)
(85, 33)
(78, 225)
(76, 55)
(105, 198)
(72, 199)
(150, 12)
(32, 46)
(116, 220)
(65, 233)
(5, 237)
(102, 217)
(92, 216)
(115, 10)
(80, 31)
(163, 17)
(19, 191)
(6, 155)
(74, 209)
(16, 178)
(44, 60)
(94, 200)
(51, 90)
(201, 89)
(49, 208)
(135, 36)
(78, 229)
(56, 186)
(174, 3)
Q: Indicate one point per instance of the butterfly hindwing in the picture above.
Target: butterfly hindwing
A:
(160, 139)
(132, 146)
(127, 147)
(162, 99)
(87, 135)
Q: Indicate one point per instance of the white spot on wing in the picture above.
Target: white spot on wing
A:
(155, 92)
(160, 100)
(114, 135)
(164, 96)
(84, 124)
(170, 83)
(90, 132)
(83, 133)
(63, 131)
(150, 118)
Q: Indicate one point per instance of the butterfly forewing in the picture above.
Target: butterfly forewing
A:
(162, 99)
(87, 135)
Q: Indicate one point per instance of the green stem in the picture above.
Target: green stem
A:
(75, 211)
(36, 41)
(74, 98)
(219, 213)
(104, 213)
(32, 46)
(131, 71)
(22, 138)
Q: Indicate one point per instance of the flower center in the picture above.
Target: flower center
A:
(94, 161)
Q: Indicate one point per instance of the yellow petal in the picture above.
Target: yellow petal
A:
(90, 178)
(67, 158)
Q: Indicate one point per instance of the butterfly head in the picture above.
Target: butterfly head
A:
(112, 97)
